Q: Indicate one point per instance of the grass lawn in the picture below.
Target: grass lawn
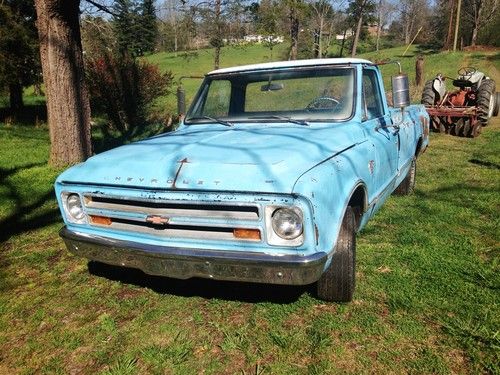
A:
(427, 298)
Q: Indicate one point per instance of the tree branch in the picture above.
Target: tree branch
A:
(102, 8)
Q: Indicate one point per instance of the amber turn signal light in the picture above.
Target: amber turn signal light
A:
(247, 234)
(101, 220)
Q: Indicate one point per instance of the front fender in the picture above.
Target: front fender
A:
(329, 187)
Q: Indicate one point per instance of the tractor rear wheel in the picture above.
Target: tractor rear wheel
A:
(485, 101)
(428, 94)
(497, 104)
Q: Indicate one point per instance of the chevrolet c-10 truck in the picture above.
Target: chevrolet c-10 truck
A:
(268, 178)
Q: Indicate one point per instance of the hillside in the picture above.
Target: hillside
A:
(197, 63)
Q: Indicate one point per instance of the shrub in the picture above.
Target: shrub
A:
(125, 89)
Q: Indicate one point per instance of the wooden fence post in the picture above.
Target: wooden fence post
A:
(419, 71)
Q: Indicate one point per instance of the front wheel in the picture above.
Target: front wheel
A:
(338, 281)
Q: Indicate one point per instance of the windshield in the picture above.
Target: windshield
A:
(291, 95)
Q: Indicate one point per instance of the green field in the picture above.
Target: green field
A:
(427, 298)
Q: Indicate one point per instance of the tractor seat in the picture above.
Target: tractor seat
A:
(462, 83)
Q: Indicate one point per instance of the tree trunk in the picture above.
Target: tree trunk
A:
(449, 36)
(477, 20)
(379, 26)
(218, 28)
(294, 34)
(356, 37)
(320, 41)
(16, 97)
(343, 43)
(68, 107)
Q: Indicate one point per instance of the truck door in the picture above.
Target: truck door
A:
(384, 139)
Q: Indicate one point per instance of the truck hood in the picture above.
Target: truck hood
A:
(244, 158)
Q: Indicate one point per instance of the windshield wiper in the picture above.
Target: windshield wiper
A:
(214, 119)
(285, 118)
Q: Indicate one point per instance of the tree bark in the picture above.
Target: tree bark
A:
(477, 21)
(379, 26)
(16, 97)
(68, 107)
(449, 35)
(356, 36)
(294, 34)
(218, 28)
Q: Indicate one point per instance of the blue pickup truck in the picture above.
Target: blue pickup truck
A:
(270, 175)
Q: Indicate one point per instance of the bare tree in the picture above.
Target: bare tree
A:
(323, 22)
(385, 9)
(479, 13)
(413, 15)
(68, 105)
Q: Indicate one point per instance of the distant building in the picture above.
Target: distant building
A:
(263, 38)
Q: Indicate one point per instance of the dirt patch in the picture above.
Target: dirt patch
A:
(479, 48)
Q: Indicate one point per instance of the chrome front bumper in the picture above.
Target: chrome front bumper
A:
(182, 263)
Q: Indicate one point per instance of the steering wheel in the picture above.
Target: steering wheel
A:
(322, 102)
(467, 71)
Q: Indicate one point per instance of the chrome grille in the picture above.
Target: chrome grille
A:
(177, 219)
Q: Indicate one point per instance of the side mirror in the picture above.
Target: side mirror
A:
(400, 91)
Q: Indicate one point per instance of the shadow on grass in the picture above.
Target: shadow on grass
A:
(484, 163)
(23, 217)
(428, 49)
(225, 290)
(29, 115)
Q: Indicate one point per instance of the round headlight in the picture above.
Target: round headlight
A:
(74, 206)
(287, 223)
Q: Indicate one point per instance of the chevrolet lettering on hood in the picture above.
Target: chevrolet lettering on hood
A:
(265, 180)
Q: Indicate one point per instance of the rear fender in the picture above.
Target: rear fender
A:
(439, 86)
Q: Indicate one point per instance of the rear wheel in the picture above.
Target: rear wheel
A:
(338, 281)
(497, 104)
(486, 101)
(428, 94)
(408, 184)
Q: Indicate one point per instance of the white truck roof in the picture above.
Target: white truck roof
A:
(290, 64)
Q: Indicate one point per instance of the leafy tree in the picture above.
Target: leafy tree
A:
(148, 27)
(135, 26)
(18, 49)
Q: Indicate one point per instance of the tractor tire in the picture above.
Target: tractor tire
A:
(476, 130)
(338, 281)
(407, 186)
(485, 101)
(429, 96)
(497, 104)
(467, 128)
(459, 127)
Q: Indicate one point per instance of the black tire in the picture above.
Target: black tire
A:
(485, 101)
(429, 96)
(407, 186)
(338, 281)
(476, 130)
(497, 104)
(459, 127)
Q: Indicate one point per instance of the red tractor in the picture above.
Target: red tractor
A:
(465, 111)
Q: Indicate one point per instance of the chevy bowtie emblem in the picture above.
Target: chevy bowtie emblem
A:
(157, 220)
